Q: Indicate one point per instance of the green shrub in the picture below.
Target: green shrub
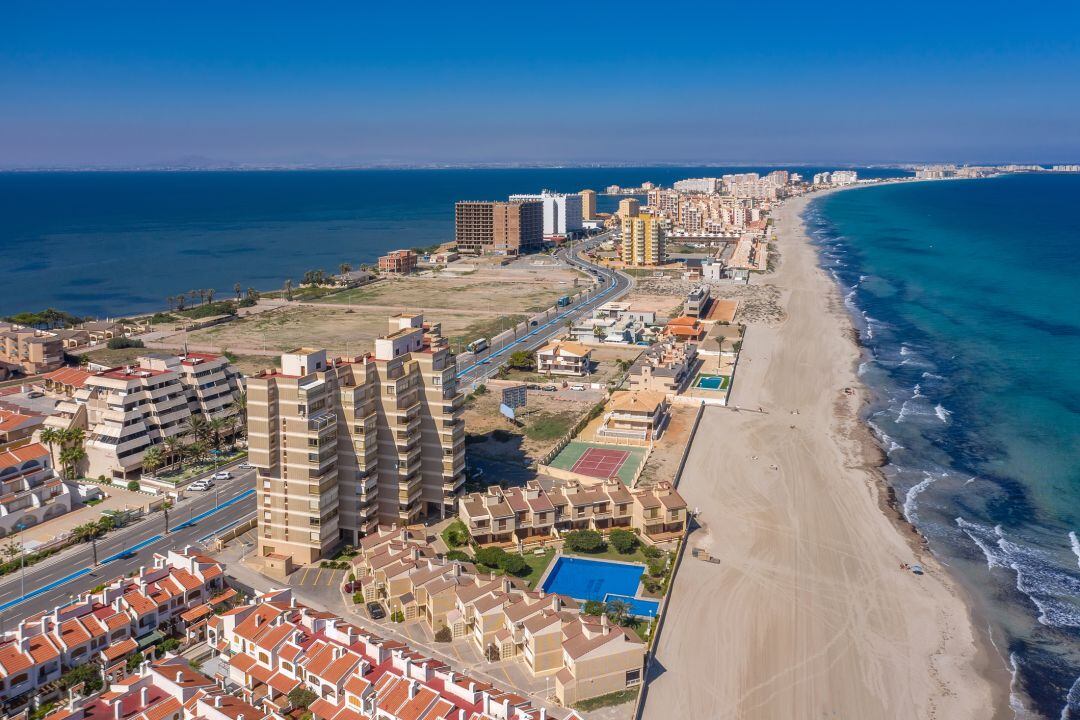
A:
(301, 697)
(480, 390)
(651, 551)
(133, 486)
(491, 557)
(168, 645)
(119, 343)
(458, 555)
(358, 598)
(444, 635)
(397, 616)
(515, 565)
(587, 541)
(89, 675)
(134, 661)
(657, 566)
(456, 534)
(593, 607)
(624, 541)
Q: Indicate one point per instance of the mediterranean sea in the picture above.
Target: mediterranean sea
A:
(115, 243)
(965, 296)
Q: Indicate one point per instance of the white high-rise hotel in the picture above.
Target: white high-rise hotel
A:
(562, 212)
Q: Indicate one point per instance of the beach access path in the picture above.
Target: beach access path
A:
(809, 613)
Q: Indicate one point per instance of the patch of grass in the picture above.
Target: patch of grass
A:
(609, 700)
(537, 565)
(222, 307)
(455, 534)
(549, 426)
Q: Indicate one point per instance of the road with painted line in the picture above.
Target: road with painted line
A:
(614, 285)
(56, 579)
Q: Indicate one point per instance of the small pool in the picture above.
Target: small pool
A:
(584, 579)
(712, 382)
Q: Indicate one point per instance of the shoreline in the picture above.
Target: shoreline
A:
(998, 674)
(811, 610)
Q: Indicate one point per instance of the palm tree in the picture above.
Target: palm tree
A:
(197, 451)
(197, 428)
(618, 611)
(172, 301)
(74, 436)
(216, 429)
(288, 290)
(90, 531)
(239, 405)
(173, 446)
(237, 288)
(210, 296)
(345, 268)
(230, 424)
(51, 437)
(165, 509)
(180, 300)
(153, 459)
(70, 457)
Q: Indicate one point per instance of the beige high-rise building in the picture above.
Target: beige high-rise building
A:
(588, 204)
(343, 446)
(628, 207)
(643, 240)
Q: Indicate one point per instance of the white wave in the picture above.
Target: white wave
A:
(932, 376)
(970, 480)
(918, 391)
(942, 413)
(1050, 588)
(1075, 545)
(862, 368)
(1072, 702)
(913, 494)
(905, 350)
(1015, 703)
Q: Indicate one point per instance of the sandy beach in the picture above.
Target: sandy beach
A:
(809, 613)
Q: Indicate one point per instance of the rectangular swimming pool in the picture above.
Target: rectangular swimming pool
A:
(712, 382)
(584, 579)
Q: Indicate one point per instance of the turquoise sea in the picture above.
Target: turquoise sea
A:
(966, 297)
(110, 243)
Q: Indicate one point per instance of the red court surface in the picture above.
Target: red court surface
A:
(600, 463)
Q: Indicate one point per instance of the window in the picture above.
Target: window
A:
(633, 677)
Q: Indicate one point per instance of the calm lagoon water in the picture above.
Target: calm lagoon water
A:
(108, 243)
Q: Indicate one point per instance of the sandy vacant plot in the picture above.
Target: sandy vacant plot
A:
(506, 290)
(339, 329)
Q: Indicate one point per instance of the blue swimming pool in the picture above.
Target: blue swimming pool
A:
(584, 579)
(712, 382)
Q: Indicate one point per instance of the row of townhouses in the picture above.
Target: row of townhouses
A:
(105, 627)
(586, 656)
(511, 515)
(272, 647)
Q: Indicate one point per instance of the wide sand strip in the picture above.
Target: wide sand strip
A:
(809, 613)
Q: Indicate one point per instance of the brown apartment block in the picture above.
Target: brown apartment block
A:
(29, 351)
(498, 228)
(342, 446)
(400, 262)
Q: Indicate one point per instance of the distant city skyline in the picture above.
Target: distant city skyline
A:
(136, 85)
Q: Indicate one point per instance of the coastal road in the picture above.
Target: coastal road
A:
(613, 285)
(42, 586)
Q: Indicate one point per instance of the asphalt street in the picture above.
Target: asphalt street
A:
(613, 286)
(197, 519)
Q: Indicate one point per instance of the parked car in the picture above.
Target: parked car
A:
(222, 475)
(549, 388)
(201, 485)
(245, 466)
(578, 388)
(375, 610)
(35, 394)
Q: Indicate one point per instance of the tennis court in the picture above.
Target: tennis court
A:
(599, 461)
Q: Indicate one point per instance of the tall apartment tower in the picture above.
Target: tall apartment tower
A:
(628, 207)
(643, 240)
(503, 228)
(344, 446)
(588, 204)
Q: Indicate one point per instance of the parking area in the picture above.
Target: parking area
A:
(315, 576)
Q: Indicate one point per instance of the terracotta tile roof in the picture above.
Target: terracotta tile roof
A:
(139, 603)
(14, 457)
(12, 660)
(196, 613)
(164, 709)
(323, 709)
(69, 376)
(242, 662)
(282, 683)
(118, 650)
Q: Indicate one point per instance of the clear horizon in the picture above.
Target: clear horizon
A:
(137, 85)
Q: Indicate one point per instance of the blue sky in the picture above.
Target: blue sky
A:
(121, 84)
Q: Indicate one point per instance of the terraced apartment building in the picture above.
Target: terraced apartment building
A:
(344, 445)
(643, 240)
(129, 409)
